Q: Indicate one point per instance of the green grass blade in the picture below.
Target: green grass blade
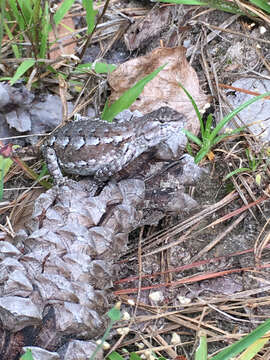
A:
(189, 149)
(2, 13)
(15, 12)
(244, 343)
(129, 96)
(26, 11)
(98, 67)
(253, 349)
(37, 11)
(199, 116)
(115, 315)
(45, 24)
(184, 2)
(115, 356)
(202, 153)
(61, 12)
(231, 133)
(208, 125)
(25, 65)
(36, 22)
(1, 181)
(90, 15)
(227, 118)
(264, 5)
(216, 4)
(201, 352)
(192, 137)
(235, 172)
(103, 68)
(15, 48)
(134, 356)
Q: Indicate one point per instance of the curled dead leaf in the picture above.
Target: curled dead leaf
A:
(164, 89)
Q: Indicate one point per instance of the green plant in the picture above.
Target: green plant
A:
(27, 356)
(253, 165)
(33, 24)
(129, 96)
(225, 5)
(249, 345)
(210, 137)
(90, 15)
(5, 164)
(115, 315)
(98, 67)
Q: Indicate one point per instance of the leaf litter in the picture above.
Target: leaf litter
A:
(164, 89)
(225, 305)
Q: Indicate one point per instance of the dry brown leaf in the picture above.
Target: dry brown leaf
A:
(163, 90)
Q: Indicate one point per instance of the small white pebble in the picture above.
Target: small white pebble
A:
(125, 316)
(206, 106)
(139, 345)
(156, 296)
(131, 302)
(262, 30)
(123, 331)
(148, 355)
(183, 300)
(106, 345)
(175, 340)
(186, 43)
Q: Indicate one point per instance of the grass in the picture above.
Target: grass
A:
(248, 346)
(30, 20)
(253, 163)
(259, 8)
(129, 96)
(210, 137)
(114, 315)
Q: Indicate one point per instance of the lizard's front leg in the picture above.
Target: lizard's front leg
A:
(53, 166)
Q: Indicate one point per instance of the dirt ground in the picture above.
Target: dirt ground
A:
(206, 270)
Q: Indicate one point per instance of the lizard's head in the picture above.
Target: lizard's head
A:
(167, 114)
